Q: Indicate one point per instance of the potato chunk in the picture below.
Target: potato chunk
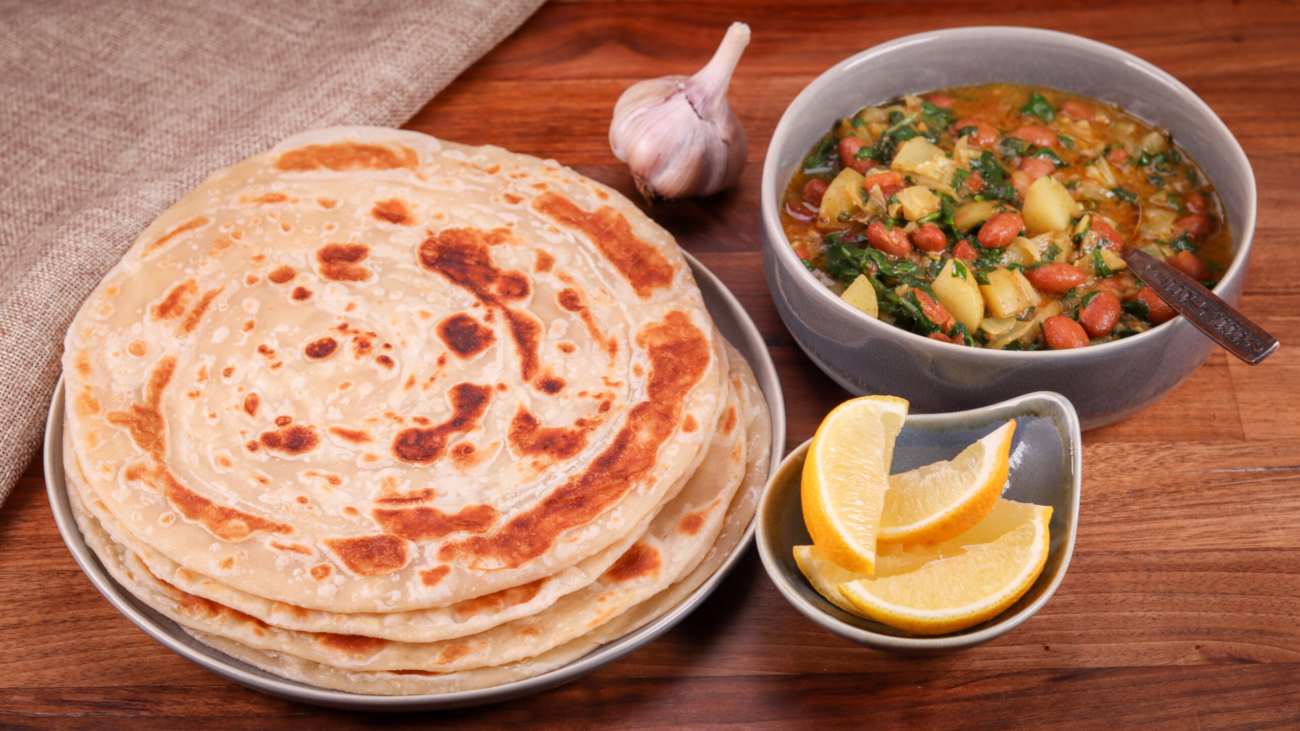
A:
(1008, 293)
(843, 198)
(1048, 206)
(921, 157)
(862, 295)
(918, 202)
(956, 289)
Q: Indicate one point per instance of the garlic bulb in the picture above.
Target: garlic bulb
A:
(679, 135)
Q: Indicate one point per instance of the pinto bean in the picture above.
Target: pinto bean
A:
(1021, 182)
(1056, 278)
(1117, 155)
(942, 101)
(1197, 226)
(1101, 314)
(849, 147)
(1077, 110)
(965, 252)
(892, 242)
(929, 238)
(999, 231)
(1196, 202)
(813, 191)
(975, 182)
(944, 338)
(1037, 167)
(1035, 134)
(1188, 263)
(983, 136)
(1160, 312)
(1062, 333)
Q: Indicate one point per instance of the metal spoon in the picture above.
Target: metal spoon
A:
(1216, 318)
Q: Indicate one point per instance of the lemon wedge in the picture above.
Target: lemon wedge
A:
(931, 504)
(845, 478)
(959, 583)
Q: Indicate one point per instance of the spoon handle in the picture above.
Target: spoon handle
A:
(1216, 318)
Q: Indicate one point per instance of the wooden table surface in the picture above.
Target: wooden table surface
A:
(1180, 606)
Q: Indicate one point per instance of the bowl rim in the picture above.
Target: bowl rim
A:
(1020, 405)
(785, 255)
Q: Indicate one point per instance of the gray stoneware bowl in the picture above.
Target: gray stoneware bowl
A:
(1105, 382)
(1046, 459)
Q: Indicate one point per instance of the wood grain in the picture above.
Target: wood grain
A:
(1180, 607)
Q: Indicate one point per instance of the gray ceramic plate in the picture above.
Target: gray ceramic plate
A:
(1046, 460)
(735, 325)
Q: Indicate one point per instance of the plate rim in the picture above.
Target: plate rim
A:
(168, 633)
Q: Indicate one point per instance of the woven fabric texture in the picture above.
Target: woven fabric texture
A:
(110, 112)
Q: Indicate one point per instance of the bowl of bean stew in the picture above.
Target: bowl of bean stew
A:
(943, 216)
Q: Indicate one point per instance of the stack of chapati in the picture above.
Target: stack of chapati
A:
(392, 415)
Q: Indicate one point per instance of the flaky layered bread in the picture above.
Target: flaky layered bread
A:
(373, 406)
(378, 372)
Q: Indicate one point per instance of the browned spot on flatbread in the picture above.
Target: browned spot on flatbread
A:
(689, 424)
(371, 555)
(679, 354)
(226, 563)
(282, 274)
(512, 199)
(251, 402)
(531, 439)
(422, 445)
(297, 611)
(424, 523)
(329, 477)
(200, 308)
(356, 436)
(691, 523)
(641, 263)
(322, 571)
(291, 440)
(321, 349)
(639, 560)
(461, 255)
(544, 262)
(301, 293)
(137, 348)
(498, 600)
(465, 336)
(566, 347)
(174, 302)
(358, 645)
(197, 606)
(342, 156)
(392, 211)
(431, 577)
(223, 522)
(190, 225)
(729, 420)
(87, 405)
(424, 494)
(550, 384)
(451, 653)
(465, 455)
(291, 547)
(572, 300)
(385, 361)
(342, 262)
(265, 198)
(144, 422)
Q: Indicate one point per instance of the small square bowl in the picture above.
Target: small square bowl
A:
(1046, 463)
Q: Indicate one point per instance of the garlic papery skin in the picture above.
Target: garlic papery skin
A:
(678, 134)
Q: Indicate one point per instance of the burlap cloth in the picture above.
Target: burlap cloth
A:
(111, 111)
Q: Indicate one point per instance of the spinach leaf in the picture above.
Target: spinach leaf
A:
(1052, 252)
(996, 185)
(1047, 154)
(823, 157)
(959, 331)
(1137, 308)
(1012, 146)
(1099, 264)
(1183, 242)
(1039, 107)
(937, 119)
(1124, 195)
